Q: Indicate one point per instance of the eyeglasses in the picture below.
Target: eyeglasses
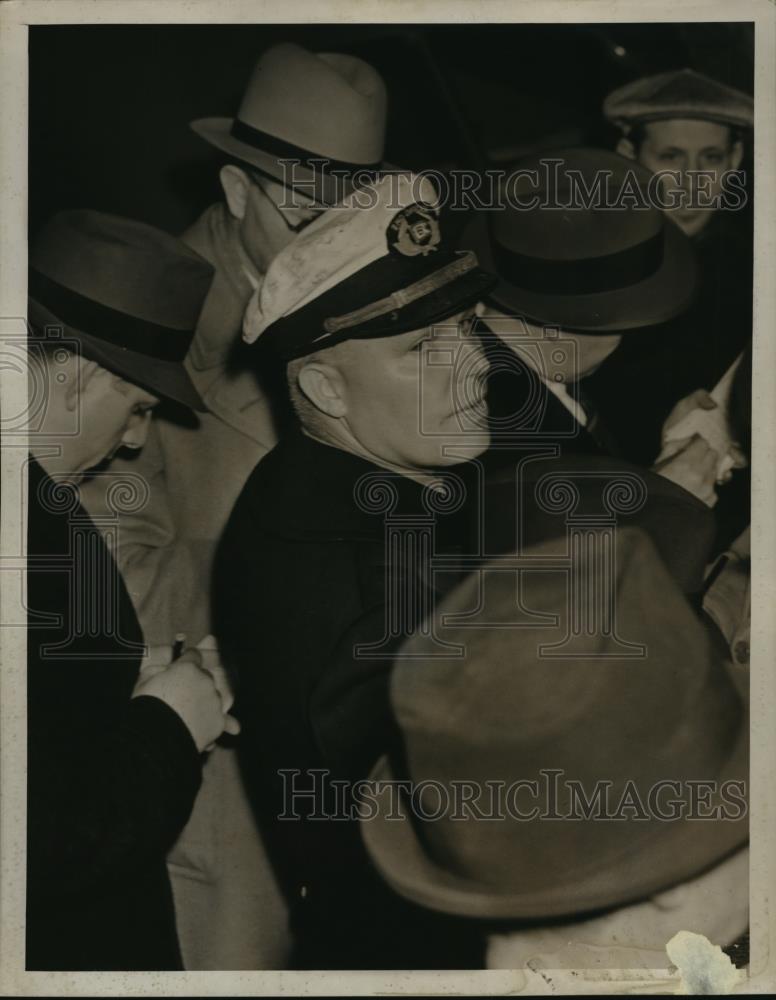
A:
(304, 215)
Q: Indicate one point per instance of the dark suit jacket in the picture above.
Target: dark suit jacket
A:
(302, 577)
(111, 781)
(656, 367)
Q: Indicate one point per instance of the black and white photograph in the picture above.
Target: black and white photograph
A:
(388, 566)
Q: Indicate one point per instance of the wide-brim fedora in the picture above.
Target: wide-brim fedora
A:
(128, 295)
(586, 269)
(504, 713)
(322, 112)
(167, 379)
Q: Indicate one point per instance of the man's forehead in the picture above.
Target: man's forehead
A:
(688, 132)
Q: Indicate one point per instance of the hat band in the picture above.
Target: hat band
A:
(589, 276)
(397, 300)
(267, 143)
(694, 114)
(105, 323)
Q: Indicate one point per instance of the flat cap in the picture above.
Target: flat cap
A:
(681, 93)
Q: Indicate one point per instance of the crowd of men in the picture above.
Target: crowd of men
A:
(347, 501)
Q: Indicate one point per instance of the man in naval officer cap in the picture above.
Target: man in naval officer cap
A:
(371, 313)
(315, 121)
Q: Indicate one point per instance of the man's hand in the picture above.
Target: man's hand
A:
(691, 464)
(688, 418)
(699, 399)
(201, 699)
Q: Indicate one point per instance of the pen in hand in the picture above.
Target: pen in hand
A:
(177, 646)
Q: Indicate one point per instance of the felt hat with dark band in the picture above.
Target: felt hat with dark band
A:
(679, 93)
(323, 112)
(549, 786)
(580, 244)
(127, 293)
(374, 266)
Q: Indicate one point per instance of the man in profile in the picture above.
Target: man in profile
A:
(577, 284)
(115, 755)
(310, 598)
(320, 112)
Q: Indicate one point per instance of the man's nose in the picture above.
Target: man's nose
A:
(137, 430)
(690, 166)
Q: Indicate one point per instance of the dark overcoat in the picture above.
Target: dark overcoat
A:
(111, 780)
(302, 579)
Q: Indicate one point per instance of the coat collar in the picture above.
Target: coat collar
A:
(215, 237)
(307, 490)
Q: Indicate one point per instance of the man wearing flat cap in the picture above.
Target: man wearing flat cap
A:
(115, 755)
(692, 132)
(683, 122)
(372, 313)
(307, 126)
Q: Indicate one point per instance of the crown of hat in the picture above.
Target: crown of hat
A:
(123, 264)
(340, 243)
(506, 712)
(558, 206)
(329, 104)
(679, 93)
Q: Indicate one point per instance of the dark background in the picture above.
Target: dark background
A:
(110, 105)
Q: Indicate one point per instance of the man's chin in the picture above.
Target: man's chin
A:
(100, 466)
(691, 223)
(464, 446)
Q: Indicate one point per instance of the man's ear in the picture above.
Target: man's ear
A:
(236, 185)
(324, 386)
(83, 372)
(626, 148)
(736, 154)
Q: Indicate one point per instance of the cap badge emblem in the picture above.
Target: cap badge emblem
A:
(414, 230)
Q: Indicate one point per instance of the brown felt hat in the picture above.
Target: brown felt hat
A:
(129, 294)
(500, 709)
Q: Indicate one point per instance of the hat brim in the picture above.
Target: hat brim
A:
(439, 305)
(434, 308)
(674, 853)
(681, 114)
(217, 132)
(680, 525)
(662, 296)
(167, 379)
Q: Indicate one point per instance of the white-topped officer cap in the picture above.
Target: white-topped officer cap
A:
(375, 265)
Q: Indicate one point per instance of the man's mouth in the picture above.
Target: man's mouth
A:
(479, 403)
